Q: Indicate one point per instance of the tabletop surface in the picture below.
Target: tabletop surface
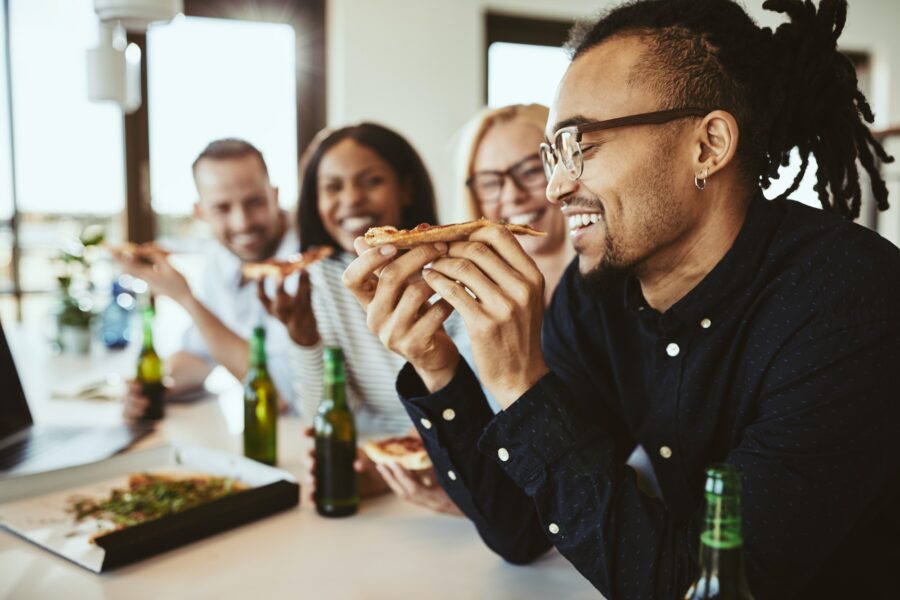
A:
(390, 549)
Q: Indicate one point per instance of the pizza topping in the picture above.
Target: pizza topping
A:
(149, 497)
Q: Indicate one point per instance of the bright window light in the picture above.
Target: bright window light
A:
(217, 78)
(524, 73)
(69, 151)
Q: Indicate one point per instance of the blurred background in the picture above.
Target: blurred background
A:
(274, 72)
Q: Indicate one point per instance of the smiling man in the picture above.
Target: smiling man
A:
(240, 206)
(700, 322)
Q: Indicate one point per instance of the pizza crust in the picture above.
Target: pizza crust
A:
(405, 451)
(425, 233)
(279, 269)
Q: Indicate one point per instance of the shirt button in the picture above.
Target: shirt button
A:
(425, 423)
(673, 349)
(503, 453)
(665, 452)
(553, 528)
(705, 323)
(449, 414)
(451, 475)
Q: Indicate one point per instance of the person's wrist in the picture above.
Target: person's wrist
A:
(187, 300)
(507, 393)
(436, 377)
(306, 334)
(306, 338)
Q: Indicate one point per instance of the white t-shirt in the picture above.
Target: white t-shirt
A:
(239, 309)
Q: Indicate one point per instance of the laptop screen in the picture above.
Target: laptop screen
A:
(14, 413)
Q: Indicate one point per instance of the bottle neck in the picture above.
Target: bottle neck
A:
(148, 329)
(257, 352)
(334, 389)
(721, 545)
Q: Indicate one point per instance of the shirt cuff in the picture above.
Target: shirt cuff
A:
(454, 416)
(536, 431)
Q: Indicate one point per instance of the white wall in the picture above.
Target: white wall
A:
(418, 66)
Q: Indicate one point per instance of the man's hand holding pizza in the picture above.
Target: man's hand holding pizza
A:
(504, 318)
(396, 300)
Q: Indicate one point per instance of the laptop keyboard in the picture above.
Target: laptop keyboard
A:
(35, 444)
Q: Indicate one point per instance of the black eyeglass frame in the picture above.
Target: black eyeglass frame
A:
(548, 151)
(509, 172)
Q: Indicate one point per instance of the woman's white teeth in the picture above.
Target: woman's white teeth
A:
(356, 223)
(524, 218)
(583, 220)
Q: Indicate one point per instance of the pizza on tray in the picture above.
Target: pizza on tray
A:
(150, 496)
(405, 451)
(281, 268)
(425, 233)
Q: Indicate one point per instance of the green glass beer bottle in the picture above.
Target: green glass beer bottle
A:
(721, 542)
(260, 405)
(150, 371)
(336, 494)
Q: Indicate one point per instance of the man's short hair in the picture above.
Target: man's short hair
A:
(229, 148)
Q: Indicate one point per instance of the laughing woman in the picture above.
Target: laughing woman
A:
(357, 177)
(504, 180)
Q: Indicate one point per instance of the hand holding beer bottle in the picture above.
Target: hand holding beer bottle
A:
(260, 405)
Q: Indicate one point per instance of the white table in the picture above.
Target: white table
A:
(391, 549)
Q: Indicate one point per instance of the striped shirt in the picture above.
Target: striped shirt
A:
(371, 369)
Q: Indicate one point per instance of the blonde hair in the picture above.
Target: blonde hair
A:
(474, 131)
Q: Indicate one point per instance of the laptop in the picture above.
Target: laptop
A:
(29, 448)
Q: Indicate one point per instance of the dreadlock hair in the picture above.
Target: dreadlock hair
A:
(788, 88)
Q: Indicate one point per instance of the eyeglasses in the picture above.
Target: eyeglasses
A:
(527, 175)
(566, 147)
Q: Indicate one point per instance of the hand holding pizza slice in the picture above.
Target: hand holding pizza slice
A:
(425, 233)
(279, 269)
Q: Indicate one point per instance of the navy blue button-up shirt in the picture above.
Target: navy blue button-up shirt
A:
(784, 361)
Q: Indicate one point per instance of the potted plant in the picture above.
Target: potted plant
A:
(73, 318)
(74, 313)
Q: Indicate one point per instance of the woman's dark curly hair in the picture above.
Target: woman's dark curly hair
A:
(393, 149)
(788, 88)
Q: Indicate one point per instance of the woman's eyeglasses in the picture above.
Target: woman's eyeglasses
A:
(527, 175)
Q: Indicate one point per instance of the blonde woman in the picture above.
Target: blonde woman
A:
(504, 180)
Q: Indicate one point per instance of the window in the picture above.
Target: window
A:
(524, 73)
(78, 163)
(525, 59)
(215, 78)
(69, 170)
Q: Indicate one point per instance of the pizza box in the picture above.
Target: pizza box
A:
(35, 507)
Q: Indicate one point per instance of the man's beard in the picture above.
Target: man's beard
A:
(611, 267)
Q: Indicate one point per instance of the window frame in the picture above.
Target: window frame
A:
(306, 17)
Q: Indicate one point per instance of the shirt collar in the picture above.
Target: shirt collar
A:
(735, 271)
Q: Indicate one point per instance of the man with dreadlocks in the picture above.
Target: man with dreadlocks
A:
(700, 322)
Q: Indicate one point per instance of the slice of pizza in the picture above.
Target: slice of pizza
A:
(425, 233)
(142, 252)
(281, 268)
(406, 451)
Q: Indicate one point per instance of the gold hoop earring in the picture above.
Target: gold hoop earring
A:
(700, 182)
